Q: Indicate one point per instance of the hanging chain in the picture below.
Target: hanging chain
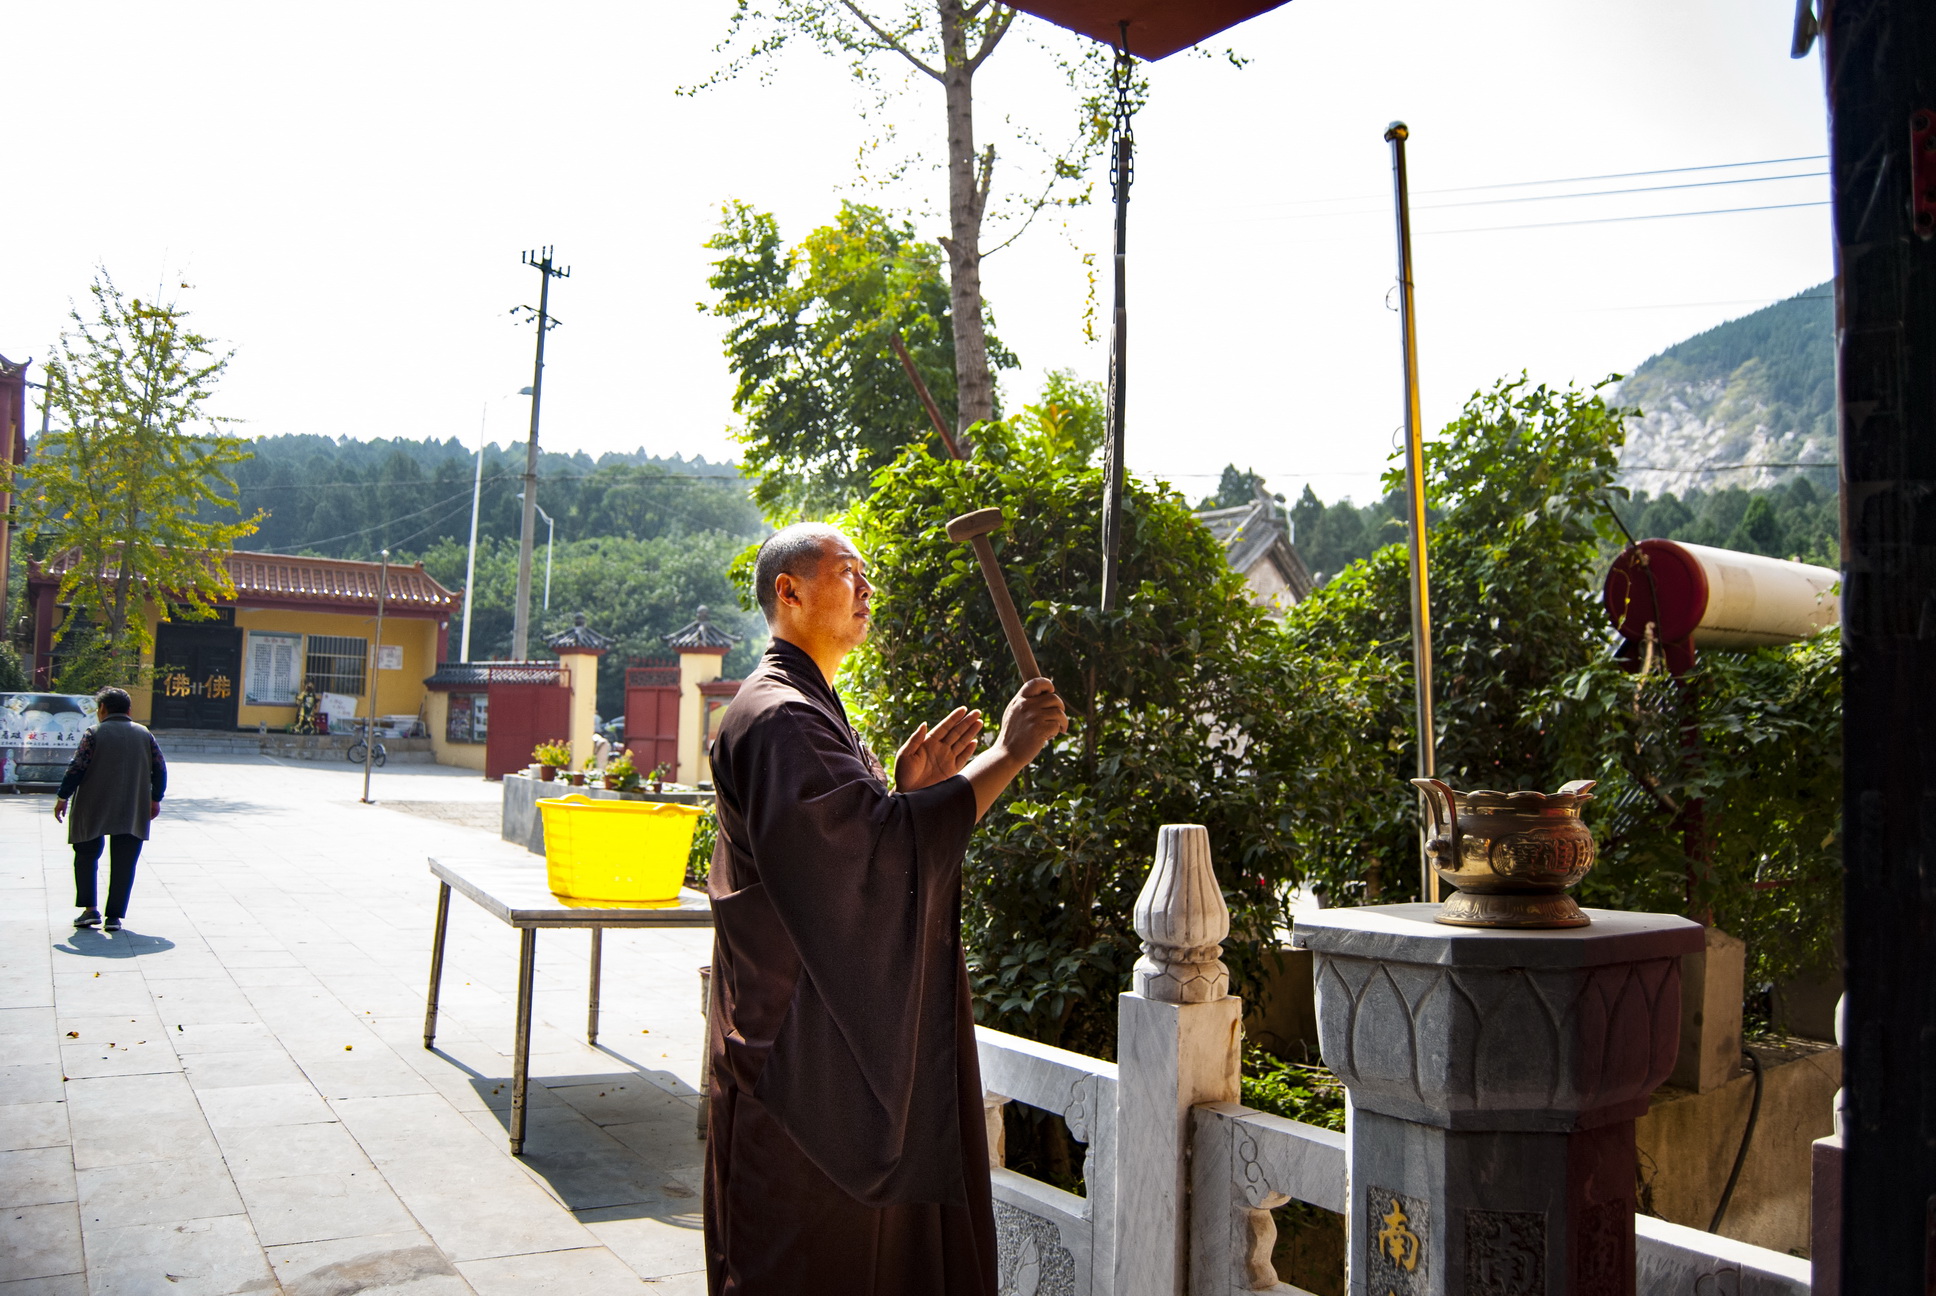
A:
(1122, 168)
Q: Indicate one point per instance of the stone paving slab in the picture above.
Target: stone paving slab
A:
(232, 1095)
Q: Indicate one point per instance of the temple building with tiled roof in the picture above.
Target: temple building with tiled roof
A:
(291, 619)
(1258, 544)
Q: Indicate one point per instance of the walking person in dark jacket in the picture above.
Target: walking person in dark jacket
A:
(120, 777)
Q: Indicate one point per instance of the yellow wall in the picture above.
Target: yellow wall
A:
(463, 755)
(583, 669)
(399, 692)
(695, 668)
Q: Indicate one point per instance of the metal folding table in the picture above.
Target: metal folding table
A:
(516, 895)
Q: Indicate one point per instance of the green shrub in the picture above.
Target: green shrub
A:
(699, 860)
(1187, 705)
(1298, 1091)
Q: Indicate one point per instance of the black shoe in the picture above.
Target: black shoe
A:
(89, 918)
(112, 924)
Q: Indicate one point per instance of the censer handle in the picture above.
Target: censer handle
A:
(1439, 795)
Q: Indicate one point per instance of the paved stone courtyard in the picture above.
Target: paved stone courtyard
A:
(232, 1095)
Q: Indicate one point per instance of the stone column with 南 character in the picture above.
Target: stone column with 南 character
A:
(1494, 1075)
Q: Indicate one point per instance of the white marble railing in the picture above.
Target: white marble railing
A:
(1053, 1243)
(1245, 1164)
(1180, 1180)
(1673, 1259)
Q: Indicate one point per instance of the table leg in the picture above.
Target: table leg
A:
(521, 1061)
(436, 963)
(591, 1008)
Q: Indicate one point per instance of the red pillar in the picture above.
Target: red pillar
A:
(43, 658)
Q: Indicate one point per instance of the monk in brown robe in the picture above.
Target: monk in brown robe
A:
(846, 1152)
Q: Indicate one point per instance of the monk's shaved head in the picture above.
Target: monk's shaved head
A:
(796, 551)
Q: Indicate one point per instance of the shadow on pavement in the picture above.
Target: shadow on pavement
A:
(617, 1144)
(125, 943)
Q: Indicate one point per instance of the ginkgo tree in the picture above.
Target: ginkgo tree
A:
(124, 488)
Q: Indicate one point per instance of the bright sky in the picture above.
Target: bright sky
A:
(349, 188)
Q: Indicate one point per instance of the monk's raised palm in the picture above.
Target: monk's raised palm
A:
(932, 754)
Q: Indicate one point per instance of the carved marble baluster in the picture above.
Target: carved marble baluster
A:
(1183, 921)
(1261, 1230)
(1177, 1040)
(991, 1114)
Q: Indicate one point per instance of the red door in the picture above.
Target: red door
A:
(652, 717)
(522, 716)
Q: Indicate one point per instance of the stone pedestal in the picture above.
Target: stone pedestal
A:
(1495, 1076)
(1712, 979)
(1177, 1041)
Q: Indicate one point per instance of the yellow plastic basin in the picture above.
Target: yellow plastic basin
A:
(630, 853)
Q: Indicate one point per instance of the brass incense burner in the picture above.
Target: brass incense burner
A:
(1512, 855)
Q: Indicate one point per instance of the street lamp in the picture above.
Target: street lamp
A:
(550, 530)
(477, 495)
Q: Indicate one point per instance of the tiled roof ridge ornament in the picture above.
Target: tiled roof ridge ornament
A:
(701, 633)
(580, 638)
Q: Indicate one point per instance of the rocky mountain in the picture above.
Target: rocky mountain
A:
(1730, 406)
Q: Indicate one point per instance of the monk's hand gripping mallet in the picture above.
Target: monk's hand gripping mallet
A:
(974, 528)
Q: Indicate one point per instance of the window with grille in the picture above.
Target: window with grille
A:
(335, 663)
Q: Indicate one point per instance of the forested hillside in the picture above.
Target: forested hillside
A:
(352, 499)
(1796, 520)
(1727, 413)
(1734, 405)
(640, 541)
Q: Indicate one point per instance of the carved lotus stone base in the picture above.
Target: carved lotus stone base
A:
(1489, 1028)
(1511, 909)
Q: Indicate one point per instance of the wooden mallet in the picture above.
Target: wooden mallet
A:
(974, 528)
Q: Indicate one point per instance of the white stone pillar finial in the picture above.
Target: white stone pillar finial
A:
(1183, 921)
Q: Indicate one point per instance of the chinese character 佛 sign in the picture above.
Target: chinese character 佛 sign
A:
(39, 733)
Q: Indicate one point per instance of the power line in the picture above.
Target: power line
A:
(1631, 175)
(1736, 301)
(1534, 184)
(496, 477)
(1812, 463)
(1615, 220)
(1610, 193)
(347, 535)
(405, 517)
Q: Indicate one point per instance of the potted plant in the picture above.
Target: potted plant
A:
(551, 757)
(656, 782)
(621, 772)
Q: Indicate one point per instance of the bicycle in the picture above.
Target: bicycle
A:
(361, 748)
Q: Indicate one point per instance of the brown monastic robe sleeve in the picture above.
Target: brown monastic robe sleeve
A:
(867, 885)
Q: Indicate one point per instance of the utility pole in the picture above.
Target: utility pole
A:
(376, 667)
(477, 500)
(521, 624)
(551, 533)
(470, 563)
(1396, 135)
